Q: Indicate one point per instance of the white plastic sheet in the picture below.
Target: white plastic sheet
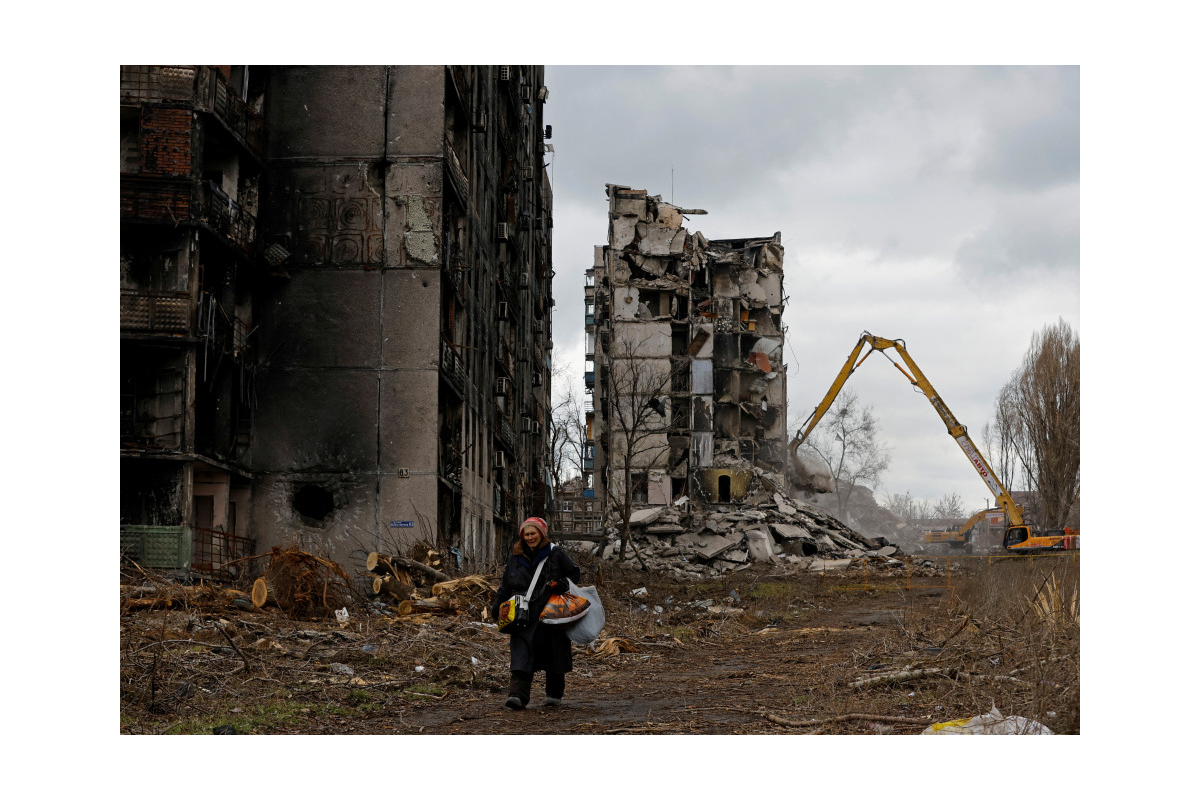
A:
(991, 723)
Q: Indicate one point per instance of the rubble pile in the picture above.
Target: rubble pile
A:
(779, 530)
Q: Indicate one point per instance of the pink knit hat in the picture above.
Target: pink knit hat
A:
(538, 523)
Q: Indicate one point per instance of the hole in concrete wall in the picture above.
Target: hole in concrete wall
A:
(678, 488)
(723, 484)
(313, 503)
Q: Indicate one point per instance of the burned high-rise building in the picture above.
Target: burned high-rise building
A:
(685, 360)
(335, 309)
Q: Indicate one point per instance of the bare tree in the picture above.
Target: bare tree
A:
(950, 506)
(567, 438)
(1038, 412)
(907, 507)
(635, 391)
(848, 443)
(1000, 449)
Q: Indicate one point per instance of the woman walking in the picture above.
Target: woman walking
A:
(538, 647)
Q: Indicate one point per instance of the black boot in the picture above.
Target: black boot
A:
(518, 690)
(556, 686)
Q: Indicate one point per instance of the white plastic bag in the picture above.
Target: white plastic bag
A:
(993, 723)
(587, 628)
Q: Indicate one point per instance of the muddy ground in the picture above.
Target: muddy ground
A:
(761, 651)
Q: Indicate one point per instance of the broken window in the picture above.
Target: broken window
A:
(640, 487)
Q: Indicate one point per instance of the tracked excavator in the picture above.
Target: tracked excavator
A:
(1018, 536)
(957, 537)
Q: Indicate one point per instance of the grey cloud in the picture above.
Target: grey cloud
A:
(1019, 245)
(1032, 138)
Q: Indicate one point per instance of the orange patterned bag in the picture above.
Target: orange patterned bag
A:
(563, 608)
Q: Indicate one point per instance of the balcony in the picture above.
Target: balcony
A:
(222, 331)
(156, 199)
(508, 437)
(225, 216)
(452, 370)
(175, 200)
(204, 89)
(457, 177)
(156, 312)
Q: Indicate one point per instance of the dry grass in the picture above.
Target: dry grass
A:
(1010, 636)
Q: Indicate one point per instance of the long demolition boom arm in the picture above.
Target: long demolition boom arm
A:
(918, 379)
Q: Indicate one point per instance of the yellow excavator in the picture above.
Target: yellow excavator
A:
(1018, 537)
(957, 537)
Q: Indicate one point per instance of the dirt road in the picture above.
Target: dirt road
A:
(726, 681)
(757, 653)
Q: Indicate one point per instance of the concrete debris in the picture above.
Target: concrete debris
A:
(645, 516)
(828, 565)
(759, 544)
(788, 532)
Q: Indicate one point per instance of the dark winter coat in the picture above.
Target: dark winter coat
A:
(540, 647)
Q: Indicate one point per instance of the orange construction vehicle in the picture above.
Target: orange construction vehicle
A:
(956, 537)
(1018, 537)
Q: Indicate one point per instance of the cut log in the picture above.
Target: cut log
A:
(396, 589)
(471, 583)
(436, 605)
(423, 568)
(385, 570)
(258, 594)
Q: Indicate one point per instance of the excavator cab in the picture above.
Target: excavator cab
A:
(1022, 539)
(1015, 536)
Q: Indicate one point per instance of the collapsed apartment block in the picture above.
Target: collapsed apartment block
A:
(335, 309)
(691, 329)
(686, 425)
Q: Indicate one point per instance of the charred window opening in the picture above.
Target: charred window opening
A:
(313, 503)
(679, 340)
(130, 124)
(678, 488)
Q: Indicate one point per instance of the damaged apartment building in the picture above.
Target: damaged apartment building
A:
(691, 329)
(335, 310)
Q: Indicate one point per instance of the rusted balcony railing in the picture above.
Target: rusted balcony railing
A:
(179, 200)
(222, 332)
(214, 551)
(225, 216)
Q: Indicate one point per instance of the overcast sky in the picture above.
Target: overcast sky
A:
(939, 205)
